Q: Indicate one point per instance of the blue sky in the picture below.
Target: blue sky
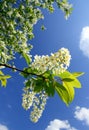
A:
(74, 35)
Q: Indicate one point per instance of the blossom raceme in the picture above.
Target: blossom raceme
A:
(38, 106)
(27, 99)
(57, 62)
(35, 100)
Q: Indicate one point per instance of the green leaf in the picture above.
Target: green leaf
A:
(46, 74)
(43, 28)
(65, 74)
(77, 74)
(27, 58)
(63, 93)
(3, 79)
(38, 85)
(44, 84)
(26, 72)
(1, 73)
(68, 79)
(49, 88)
(70, 90)
(5, 76)
(74, 82)
(69, 82)
(3, 82)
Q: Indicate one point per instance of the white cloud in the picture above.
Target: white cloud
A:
(59, 124)
(84, 41)
(82, 114)
(3, 127)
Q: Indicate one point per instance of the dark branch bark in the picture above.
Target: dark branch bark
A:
(17, 69)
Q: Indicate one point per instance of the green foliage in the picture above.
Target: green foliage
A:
(69, 81)
(66, 84)
(43, 28)
(27, 58)
(63, 92)
(48, 83)
(65, 7)
(72, 80)
(17, 20)
(77, 74)
(3, 79)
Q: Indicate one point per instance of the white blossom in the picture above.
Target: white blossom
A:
(27, 99)
(35, 100)
(38, 107)
(57, 62)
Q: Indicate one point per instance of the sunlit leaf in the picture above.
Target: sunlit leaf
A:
(27, 58)
(63, 93)
(68, 79)
(65, 74)
(5, 76)
(3, 82)
(77, 74)
(1, 73)
(70, 90)
(74, 82)
(3, 79)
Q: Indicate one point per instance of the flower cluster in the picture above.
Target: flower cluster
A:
(38, 106)
(17, 20)
(37, 101)
(65, 7)
(4, 54)
(28, 97)
(56, 63)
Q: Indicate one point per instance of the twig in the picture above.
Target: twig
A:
(17, 69)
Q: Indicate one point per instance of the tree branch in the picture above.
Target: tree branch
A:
(17, 69)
